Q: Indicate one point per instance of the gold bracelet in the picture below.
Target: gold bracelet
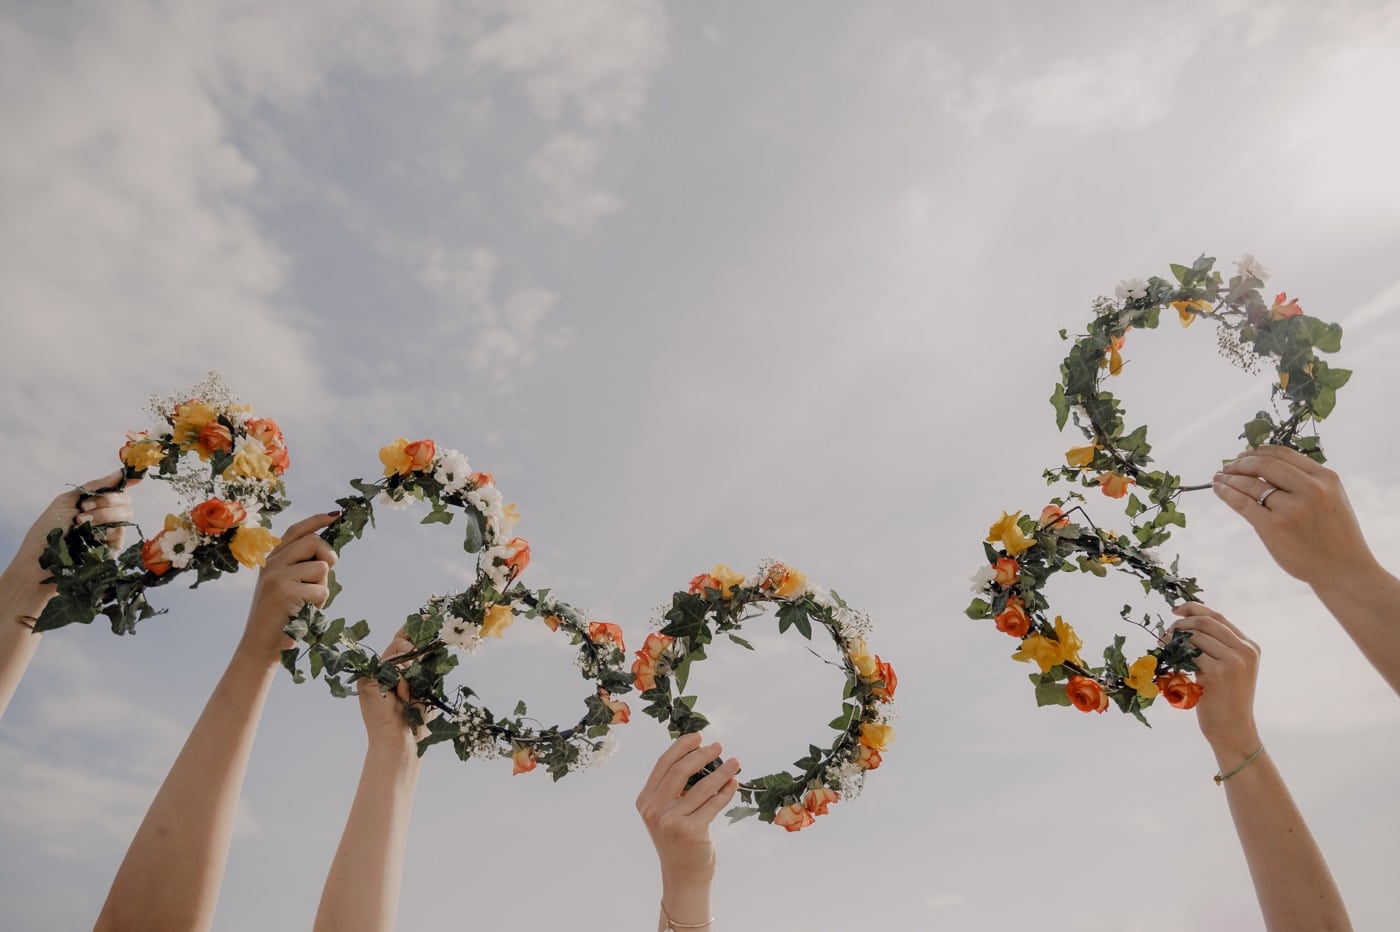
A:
(1222, 777)
(29, 621)
(672, 925)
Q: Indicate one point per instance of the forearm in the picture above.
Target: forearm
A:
(172, 872)
(362, 887)
(1295, 889)
(1365, 605)
(21, 596)
(685, 898)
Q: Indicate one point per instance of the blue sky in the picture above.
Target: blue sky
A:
(699, 283)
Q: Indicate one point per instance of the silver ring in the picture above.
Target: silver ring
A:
(1264, 496)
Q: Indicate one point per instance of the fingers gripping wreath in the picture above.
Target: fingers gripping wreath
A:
(445, 626)
(226, 464)
(718, 603)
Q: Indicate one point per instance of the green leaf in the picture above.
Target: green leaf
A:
(740, 641)
(437, 516)
(1049, 692)
(1060, 404)
(978, 608)
(519, 708)
(739, 813)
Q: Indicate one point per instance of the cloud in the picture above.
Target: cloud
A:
(562, 168)
(497, 335)
(594, 60)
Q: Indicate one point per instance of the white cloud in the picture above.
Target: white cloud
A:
(563, 168)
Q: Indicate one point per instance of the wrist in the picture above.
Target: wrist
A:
(24, 578)
(1230, 749)
(687, 904)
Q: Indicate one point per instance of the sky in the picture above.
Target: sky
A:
(699, 283)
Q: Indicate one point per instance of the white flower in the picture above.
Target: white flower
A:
(1152, 556)
(1081, 414)
(1133, 288)
(178, 545)
(452, 470)
(394, 502)
(486, 500)
(607, 747)
(982, 579)
(1249, 267)
(460, 633)
(848, 779)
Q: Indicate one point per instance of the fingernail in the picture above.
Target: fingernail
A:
(333, 514)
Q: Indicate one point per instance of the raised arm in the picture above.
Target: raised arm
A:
(171, 875)
(23, 596)
(362, 888)
(679, 823)
(1295, 889)
(1301, 513)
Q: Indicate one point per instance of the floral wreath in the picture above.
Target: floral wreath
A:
(224, 461)
(1010, 591)
(1249, 329)
(717, 603)
(449, 624)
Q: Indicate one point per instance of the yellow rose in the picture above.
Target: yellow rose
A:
(727, 578)
(396, 461)
(141, 452)
(249, 462)
(1009, 534)
(1079, 457)
(251, 545)
(794, 583)
(189, 418)
(510, 516)
(1142, 677)
(1069, 642)
(876, 736)
(1040, 649)
(498, 618)
(1184, 310)
(861, 659)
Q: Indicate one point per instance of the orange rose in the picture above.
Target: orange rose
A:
(886, 692)
(868, 758)
(704, 581)
(1086, 694)
(152, 558)
(1115, 485)
(655, 645)
(1283, 308)
(643, 672)
(420, 454)
(478, 479)
(1180, 690)
(621, 713)
(817, 801)
(1013, 619)
(519, 557)
(524, 760)
(552, 621)
(212, 438)
(1052, 517)
(600, 631)
(1008, 572)
(265, 429)
(794, 818)
(140, 452)
(216, 516)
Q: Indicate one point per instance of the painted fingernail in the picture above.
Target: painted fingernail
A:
(332, 514)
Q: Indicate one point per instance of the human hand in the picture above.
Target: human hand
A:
(297, 573)
(67, 511)
(383, 711)
(1229, 667)
(1307, 524)
(678, 819)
